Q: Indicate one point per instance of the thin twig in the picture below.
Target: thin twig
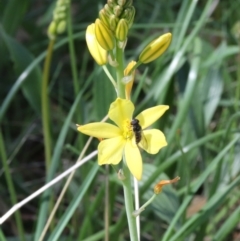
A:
(42, 189)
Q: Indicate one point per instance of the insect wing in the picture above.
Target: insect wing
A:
(143, 143)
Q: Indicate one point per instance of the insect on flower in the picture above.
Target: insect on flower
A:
(137, 130)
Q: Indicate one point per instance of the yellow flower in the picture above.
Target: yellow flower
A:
(97, 52)
(120, 139)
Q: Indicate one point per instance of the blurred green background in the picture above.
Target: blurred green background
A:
(198, 77)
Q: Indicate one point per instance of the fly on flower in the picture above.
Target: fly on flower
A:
(139, 136)
(118, 140)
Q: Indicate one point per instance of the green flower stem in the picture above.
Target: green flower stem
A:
(237, 94)
(72, 53)
(11, 188)
(45, 106)
(127, 188)
(120, 74)
(109, 76)
(142, 208)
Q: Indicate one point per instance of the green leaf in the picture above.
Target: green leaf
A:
(21, 58)
(13, 14)
(73, 205)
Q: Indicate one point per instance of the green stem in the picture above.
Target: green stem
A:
(127, 188)
(10, 187)
(237, 94)
(142, 208)
(109, 76)
(120, 74)
(72, 54)
(45, 106)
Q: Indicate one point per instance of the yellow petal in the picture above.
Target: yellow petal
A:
(155, 141)
(128, 86)
(110, 151)
(149, 116)
(97, 52)
(100, 130)
(120, 110)
(133, 159)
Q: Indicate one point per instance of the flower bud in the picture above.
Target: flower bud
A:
(58, 24)
(111, 3)
(108, 9)
(130, 79)
(52, 30)
(122, 2)
(128, 3)
(61, 27)
(104, 17)
(104, 35)
(98, 53)
(155, 49)
(129, 14)
(117, 10)
(113, 22)
(122, 30)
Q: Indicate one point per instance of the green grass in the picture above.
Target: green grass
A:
(198, 77)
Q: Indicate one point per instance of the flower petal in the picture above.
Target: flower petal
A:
(149, 116)
(155, 141)
(120, 110)
(100, 130)
(133, 159)
(97, 52)
(110, 151)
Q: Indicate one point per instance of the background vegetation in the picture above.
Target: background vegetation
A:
(199, 77)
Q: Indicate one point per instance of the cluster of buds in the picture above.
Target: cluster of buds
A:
(111, 28)
(118, 15)
(59, 22)
(109, 33)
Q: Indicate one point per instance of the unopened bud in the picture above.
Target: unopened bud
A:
(121, 2)
(97, 52)
(128, 3)
(155, 49)
(117, 10)
(104, 35)
(122, 30)
(104, 17)
(129, 78)
(129, 14)
(52, 30)
(108, 9)
(61, 26)
(113, 22)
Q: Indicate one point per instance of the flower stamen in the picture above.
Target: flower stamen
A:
(127, 130)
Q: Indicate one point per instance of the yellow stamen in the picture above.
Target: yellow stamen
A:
(127, 130)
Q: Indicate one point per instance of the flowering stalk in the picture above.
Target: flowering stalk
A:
(128, 199)
(56, 27)
(106, 40)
